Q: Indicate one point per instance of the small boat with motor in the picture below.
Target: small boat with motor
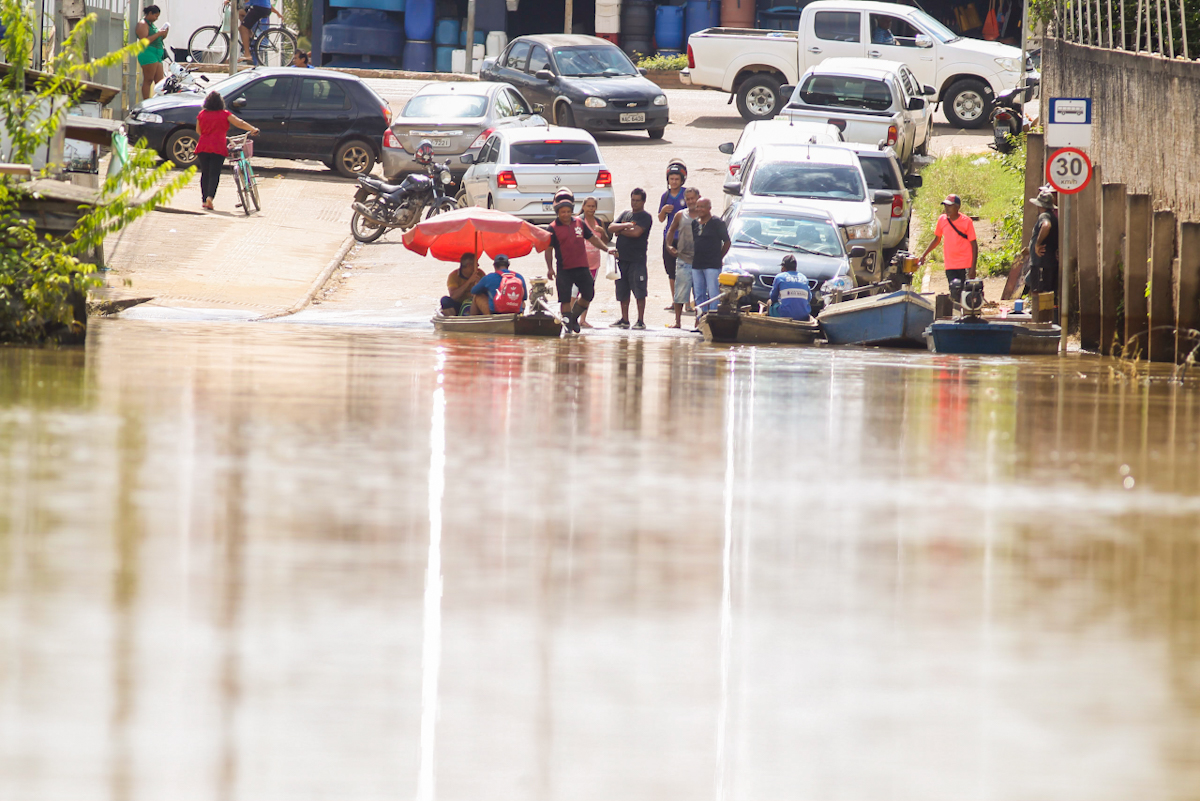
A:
(539, 321)
(972, 333)
(751, 328)
(895, 319)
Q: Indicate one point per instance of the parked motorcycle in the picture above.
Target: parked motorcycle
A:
(1008, 114)
(179, 78)
(380, 206)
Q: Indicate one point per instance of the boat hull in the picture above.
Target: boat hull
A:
(757, 329)
(975, 338)
(521, 325)
(896, 319)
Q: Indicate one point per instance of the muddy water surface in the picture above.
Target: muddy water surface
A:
(265, 561)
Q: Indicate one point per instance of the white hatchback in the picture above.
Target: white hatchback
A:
(520, 169)
(778, 132)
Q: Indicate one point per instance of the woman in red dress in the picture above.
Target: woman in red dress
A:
(212, 149)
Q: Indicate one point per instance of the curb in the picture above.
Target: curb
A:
(317, 284)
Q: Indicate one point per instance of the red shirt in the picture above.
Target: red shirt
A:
(213, 126)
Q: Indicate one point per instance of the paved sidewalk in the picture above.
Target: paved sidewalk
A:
(264, 263)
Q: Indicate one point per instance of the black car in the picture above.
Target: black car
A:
(301, 114)
(583, 82)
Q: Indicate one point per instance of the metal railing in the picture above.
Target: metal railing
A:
(1168, 28)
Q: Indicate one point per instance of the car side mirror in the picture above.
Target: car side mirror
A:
(913, 181)
(642, 71)
(726, 148)
(239, 103)
(916, 103)
(928, 90)
(787, 90)
(487, 65)
(469, 158)
(732, 188)
(921, 40)
(544, 75)
(538, 108)
(858, 252)
(882, 196)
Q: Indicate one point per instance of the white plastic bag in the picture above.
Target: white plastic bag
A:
(610, 267)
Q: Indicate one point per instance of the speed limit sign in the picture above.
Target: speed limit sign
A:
(1069, 170)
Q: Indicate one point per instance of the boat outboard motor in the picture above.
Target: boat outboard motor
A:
(734, 287)
(972, 297)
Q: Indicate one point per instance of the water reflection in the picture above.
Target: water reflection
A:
(651, 569)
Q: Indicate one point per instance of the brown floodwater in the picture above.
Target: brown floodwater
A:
(276, 561)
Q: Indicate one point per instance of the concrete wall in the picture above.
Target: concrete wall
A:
(1145, 112)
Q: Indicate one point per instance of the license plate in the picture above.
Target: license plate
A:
(440, 142)
(547, 205)
(634, 116)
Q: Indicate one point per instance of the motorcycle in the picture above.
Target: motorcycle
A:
(1008, 115)
(380, 206)
(179, 78)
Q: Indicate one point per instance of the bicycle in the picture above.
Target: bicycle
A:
(272, 45)
(240, 150)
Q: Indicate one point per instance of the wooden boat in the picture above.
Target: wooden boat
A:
(993, 337)
(896, 319)
(747, 328)
(538, 324)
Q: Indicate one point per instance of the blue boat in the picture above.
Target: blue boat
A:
(897, 319)
(970, 335)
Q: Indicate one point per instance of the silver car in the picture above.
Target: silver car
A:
(457, 118)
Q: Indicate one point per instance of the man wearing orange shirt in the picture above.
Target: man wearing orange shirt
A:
(956, 234)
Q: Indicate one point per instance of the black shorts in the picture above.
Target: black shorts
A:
(633, 281)
(669, 261)
(579, 277)
(255, 15)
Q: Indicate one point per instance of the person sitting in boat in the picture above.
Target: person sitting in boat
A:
(789, 292)
(458, 286)
(502, 292)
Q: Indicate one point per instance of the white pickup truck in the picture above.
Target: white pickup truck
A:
(754, 64)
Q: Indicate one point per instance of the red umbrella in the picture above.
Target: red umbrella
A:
(448, 236)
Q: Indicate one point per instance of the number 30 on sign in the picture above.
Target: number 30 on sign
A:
(1069, 170)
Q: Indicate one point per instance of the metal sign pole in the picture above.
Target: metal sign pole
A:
(1064, 268)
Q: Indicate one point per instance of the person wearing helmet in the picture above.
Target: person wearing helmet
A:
(485, 292)
(669, 205)
(568, 234)
(790, 292)
(424, 154)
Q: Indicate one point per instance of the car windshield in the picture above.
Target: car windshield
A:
(592, 61)
(778, 232)
(846, 92)
(552, 153)
(231, 85)
(445, 106)
(936, 29)
(807, 180)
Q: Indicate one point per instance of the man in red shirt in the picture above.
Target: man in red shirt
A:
(956, 234)
(567, 235)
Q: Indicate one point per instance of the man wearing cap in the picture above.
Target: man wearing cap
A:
(568, 234)
(956, 234)
(1043, 246)
(790, 292)
(484, 292)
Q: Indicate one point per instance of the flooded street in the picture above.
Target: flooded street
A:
(282, 561)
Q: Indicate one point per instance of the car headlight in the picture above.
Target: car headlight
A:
(842, 282)
(1008, 64)
(146, 116)
(661, 100)
(865, 231)
(595, 102)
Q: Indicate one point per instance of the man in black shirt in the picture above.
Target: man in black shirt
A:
(711, 242)
(632, 230)
(1043, 247)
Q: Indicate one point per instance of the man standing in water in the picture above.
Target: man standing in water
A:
(960, 251)
(568, 234)
(632, 230)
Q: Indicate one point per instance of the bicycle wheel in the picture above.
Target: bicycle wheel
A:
(274, 47)
(252, 184)
(239, 180)
(209, 45)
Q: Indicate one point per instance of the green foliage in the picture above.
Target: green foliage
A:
(663, 62)
(42, 279)
(297, 15)
(992, 187)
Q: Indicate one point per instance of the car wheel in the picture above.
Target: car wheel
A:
(181, 147)
(564, 116)
(759, 98)
(354, 158)
(967, 104)
(461, 199)
(656, 133)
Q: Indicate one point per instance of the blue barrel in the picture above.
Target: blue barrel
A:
(443, 58)
(446, 32)
(418, 56)
(668, 27)
(363, 33)
(700, 15)
(418, 20)
(480, 37)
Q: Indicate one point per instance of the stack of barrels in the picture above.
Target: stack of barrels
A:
(645, 28)
(364, 33)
